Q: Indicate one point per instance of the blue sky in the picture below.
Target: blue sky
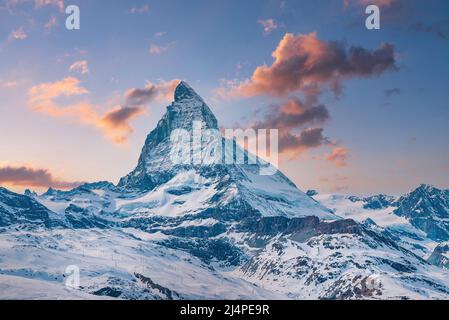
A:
(392, 126)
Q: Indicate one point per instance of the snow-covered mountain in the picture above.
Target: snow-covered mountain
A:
(16, 209)
(426, 208)
(180, 189)
(440, 256)
(220, 231)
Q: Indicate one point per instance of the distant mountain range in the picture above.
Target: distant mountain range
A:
(172, 231)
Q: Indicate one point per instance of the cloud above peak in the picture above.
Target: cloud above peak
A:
(296, 122)
(163, 90)
(306, 66)
(304, 63)
(114, 123)
(293, 113)
(118, 120)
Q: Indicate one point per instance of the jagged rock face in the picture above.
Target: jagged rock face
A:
(340, 260)
(440, 256)
(232, 187)
(310, 259)
(427, 208)
(154, 164)
(311, 193)
(380, 201)
(21, 209)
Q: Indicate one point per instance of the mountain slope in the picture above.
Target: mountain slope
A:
(427, 208)
(229, 186)
(344, 266)
(215, 231)
(23, 210)
(421, 213)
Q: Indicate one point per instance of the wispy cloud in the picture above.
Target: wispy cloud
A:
(56, 3)
(160, 34)
(158, 49)
(8, 84)
(81, 66)
(268, 25)
(439, 29)
(143, 9)
(26, 176)
(18, 34)
(338, 156)
(392, 92)
(379, 3)
(52, 22)
(37, 3)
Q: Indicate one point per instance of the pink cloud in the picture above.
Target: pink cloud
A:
(115, 123)
(338, 156)
(379, 3)
(56, 3)
(37, 3)
(69, 86)
(304, 63)
(42, 99)
(163, 90)
(32, 177)
(18, 34)
(158, 49)
(53, 22)
(293, 119)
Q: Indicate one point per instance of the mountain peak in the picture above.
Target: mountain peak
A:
(183, 91)
(426, 188)
(153, 168)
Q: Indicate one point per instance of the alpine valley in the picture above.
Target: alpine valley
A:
(223, 231)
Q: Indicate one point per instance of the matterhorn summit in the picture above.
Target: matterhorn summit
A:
(237, 188)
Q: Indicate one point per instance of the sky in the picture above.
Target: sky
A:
(358, 111)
